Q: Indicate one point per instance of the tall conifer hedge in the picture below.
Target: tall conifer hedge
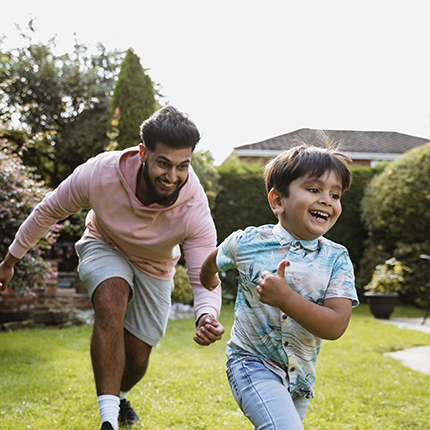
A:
(133, 101)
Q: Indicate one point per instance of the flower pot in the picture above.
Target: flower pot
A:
(381, 304)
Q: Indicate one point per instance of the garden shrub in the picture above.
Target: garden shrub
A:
(241, 202)
(350, 230)
(388, 277)
(396, 212)
(20, 191)
(242, 199)
(183, 292)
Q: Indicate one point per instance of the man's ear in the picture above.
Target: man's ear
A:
(142, 152)
(275, 201)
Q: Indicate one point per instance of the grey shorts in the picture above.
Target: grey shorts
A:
(149, 303)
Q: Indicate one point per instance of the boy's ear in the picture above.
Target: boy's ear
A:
(275, 201)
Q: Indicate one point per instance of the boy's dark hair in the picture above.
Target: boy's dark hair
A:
(171, 127)
(306, 160)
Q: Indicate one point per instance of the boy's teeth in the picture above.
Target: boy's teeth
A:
(321, 214)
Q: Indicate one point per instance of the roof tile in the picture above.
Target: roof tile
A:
(351, 141)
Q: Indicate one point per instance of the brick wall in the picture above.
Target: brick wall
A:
(50, 298)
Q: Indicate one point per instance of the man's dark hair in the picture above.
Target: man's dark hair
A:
(170, 127)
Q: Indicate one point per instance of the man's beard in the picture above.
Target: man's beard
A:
(155, 196)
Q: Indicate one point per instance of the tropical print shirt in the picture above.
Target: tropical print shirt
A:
(318, 269)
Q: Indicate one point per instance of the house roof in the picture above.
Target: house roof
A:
(357, 144)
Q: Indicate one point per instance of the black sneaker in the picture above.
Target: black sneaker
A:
(106, 426)
(127, 417)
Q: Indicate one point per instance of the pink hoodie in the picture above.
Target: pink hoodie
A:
(149, 236)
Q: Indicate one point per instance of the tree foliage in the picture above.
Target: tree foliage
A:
(133, 102)
(21, 190)
(396, 212)
(62, 103)
(203, 165)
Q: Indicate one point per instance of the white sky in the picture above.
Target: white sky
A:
(247, 70)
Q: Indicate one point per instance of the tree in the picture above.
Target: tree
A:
(396, 212)
(203, 165)
(62, 103)
(133, 102)
(20, 191)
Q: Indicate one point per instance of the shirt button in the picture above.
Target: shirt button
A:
(297, 244)
(287, 263)
(292, 369)
(285, 344)
(284, 317)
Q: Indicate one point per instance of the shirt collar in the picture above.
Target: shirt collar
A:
(284, 238)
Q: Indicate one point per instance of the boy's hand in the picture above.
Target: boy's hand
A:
(271, 289)
(208, 331)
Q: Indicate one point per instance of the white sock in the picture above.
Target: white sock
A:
(109, 409)
(123, 394)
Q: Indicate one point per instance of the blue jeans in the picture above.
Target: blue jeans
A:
(263, 396)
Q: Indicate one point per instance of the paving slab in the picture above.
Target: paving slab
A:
(415, 358)
(411, 323)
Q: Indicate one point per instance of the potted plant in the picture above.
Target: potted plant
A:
(382, 290)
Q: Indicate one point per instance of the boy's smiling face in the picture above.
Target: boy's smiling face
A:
(312, 207)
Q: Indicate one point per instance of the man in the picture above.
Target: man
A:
(145, 201)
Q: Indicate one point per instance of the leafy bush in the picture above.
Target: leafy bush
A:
(388, 277)
(242, 199)
(396, 212)
(182, 293)
(203, 165)
(241, 202)
(21, 190)
(350, 230)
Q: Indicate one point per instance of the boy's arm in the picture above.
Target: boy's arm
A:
(327, 322)
(209, 270)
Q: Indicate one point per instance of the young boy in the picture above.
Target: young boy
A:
(295, 287)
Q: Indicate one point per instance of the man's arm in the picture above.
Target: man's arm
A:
(209, 330)
(327, 322)
(7, 271)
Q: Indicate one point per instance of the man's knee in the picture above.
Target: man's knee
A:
(110, 299)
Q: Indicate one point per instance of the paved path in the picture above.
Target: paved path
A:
(415, 358)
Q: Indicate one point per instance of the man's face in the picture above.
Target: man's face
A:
(165, 172)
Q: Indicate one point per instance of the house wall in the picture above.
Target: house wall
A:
(263, 161)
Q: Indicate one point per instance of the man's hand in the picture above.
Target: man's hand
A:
(272, 290)
(6, 271)
(208, 331)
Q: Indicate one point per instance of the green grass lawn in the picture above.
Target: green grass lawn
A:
(46, 381)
